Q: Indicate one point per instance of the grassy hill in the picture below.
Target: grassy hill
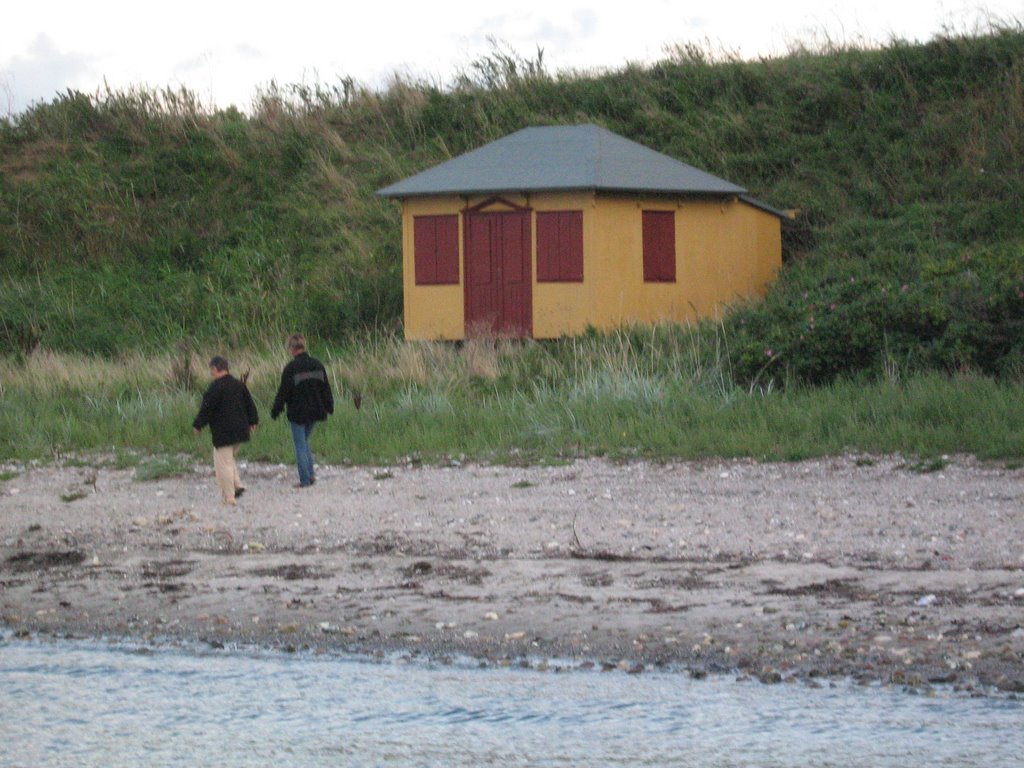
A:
(133, 220)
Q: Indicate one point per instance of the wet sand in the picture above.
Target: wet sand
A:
(862, 567)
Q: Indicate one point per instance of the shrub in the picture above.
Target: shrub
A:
(829, 318)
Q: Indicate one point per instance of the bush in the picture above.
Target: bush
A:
(829, 318)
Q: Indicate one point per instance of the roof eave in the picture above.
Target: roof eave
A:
(763, 206)
(462, 192)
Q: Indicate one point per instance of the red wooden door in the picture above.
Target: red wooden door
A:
(499, 281)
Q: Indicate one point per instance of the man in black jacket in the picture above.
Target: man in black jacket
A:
(229, 410)
(306, 393)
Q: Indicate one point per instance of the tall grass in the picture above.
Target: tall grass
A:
(645, 392)
(132, 220)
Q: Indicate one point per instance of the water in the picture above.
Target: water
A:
(74, 704)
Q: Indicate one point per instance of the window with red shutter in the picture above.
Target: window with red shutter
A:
(436, 249)
(560, 247)
(659, 237)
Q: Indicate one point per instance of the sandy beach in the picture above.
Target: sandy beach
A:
(852, 566)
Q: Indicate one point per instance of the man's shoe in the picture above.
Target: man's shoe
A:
(239, 492)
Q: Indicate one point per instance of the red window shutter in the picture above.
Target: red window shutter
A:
(447, 239)
(436, 249)
(425, 248)
(570, 238)
(547, 247)
(560, 246)
(659, 244)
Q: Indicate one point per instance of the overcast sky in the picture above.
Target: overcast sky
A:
(225, 50)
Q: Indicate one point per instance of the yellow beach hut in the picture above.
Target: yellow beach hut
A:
(551, 230)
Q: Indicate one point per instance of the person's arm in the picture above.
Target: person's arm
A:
(206, 410)
(250, 409)
(283, 392)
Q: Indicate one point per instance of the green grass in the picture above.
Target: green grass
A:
(611, 396)
(927, 466)
(141, 233)
(160, 467)
(141, 220)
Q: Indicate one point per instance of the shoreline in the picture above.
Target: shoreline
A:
(404, 657)
(812, 571)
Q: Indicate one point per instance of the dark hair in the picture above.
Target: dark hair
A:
(220, 363)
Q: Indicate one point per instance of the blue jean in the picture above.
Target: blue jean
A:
(303, 454)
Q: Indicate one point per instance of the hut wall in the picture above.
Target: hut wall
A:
(726, 250)
(430, 311)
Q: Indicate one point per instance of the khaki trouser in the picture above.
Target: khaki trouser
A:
(226, 471)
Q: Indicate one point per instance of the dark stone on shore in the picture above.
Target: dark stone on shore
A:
(1011, 686)
(418, 568)
(771, 677)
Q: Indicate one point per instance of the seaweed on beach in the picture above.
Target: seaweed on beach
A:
(39, 561)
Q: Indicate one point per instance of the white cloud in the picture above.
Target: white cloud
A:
(224, 49)
(41, 72)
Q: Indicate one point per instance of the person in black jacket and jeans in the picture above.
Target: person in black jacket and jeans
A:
(306, 393)
(229, 410)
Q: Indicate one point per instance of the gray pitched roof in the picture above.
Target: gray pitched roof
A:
(572, 157)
